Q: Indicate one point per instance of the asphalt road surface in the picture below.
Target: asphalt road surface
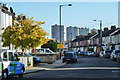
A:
(86, 68)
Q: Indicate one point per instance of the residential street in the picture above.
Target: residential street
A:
(86, 67)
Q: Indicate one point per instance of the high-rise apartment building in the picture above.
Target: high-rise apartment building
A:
(56, 30)
(72, 32)
(83, 31)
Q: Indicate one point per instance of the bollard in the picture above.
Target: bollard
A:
(1, 70)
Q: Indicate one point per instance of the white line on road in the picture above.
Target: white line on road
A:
(107, 68)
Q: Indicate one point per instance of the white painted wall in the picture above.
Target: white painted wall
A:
(0, 26)
(5, 21)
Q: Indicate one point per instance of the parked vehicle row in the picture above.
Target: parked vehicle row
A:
(113, 55)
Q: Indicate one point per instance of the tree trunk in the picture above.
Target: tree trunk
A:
(22, 52)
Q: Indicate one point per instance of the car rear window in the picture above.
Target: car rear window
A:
(117, 51)
(108, 51)
(68, 55)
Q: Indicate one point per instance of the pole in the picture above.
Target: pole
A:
(60, 24)
(71, 41)
(60, 30)
(100, 33)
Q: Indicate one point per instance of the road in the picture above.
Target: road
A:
(85, 68)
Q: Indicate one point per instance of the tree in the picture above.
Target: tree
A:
(24, 33)
(51, 45)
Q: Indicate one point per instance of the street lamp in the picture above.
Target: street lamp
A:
(71, 41)
(60, 22)
(60, 18)
(100, 31)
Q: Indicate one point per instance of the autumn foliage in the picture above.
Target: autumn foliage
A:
(24, 33)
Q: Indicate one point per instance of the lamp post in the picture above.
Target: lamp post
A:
(100, 31)
(71, 41)
(60, 22)
(60, 17)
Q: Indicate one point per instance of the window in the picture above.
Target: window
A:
(11, 57)
(5, 56)
(47, 51)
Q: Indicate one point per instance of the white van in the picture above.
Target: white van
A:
(11, 64)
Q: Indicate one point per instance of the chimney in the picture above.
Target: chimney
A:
(98, 31)
(5, 6)
(113, 27)
(106, 28)
(89, 33)
(0, 4)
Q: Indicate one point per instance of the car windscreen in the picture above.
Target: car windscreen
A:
(68, 55)
(117, 51)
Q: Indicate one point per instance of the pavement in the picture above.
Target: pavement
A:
(43, 67)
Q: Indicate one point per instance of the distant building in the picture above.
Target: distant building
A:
(56, 30)
(5, 20)
(94, 30)
(72, 32)
(83, 31)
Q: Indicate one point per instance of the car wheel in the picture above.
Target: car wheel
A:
(63, 61)
(75, 60)
(22, 73)
(5, 74)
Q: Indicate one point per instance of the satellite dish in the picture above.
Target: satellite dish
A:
(11, 10)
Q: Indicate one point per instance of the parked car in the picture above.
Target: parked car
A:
(101, 54)
(90, 53)
(96, 54)
(81, 53)
(107, 53)
(114, 55)
(35, 59)
(86, 53)
(118, 58)
(69, 57)
(76, 52)
(64, 51)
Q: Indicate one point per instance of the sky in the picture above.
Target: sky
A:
(80, 14)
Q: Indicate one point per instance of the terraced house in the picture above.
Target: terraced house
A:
(5, 20)
(110, 40)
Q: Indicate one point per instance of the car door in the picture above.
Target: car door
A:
(18, 65)
(12, 66)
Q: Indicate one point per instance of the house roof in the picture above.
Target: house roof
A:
(5, 11)
(105, 33)
(82, 38)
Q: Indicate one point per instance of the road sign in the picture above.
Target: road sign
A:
(60, 46)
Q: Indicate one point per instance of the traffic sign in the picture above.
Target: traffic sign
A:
(60, 46)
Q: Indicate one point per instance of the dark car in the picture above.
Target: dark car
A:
(118, 58)
(107, 53)
(69, 57)
(35, 59)
(96, 54)
(114, 54)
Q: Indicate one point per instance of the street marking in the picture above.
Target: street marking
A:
(93, 68)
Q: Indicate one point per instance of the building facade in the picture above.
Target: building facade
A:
(5, 20)
(83, 31)
(56, 30)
